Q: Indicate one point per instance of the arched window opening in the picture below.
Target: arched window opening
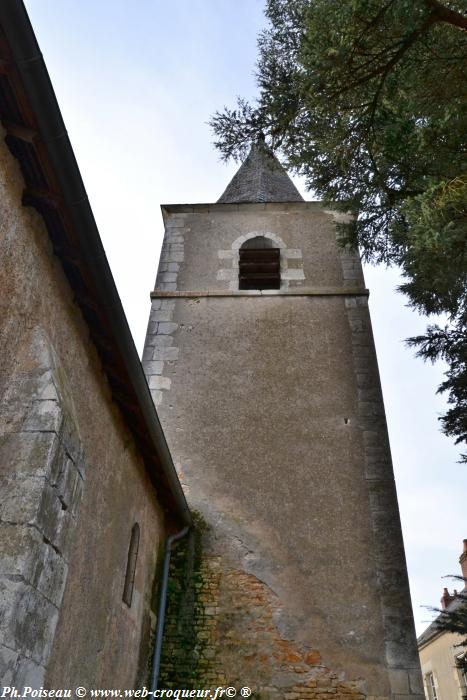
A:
(259, 265)
(131, 565)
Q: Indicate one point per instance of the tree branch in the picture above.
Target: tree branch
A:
(383, 70)
(445, 14)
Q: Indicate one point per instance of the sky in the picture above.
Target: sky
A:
(137, 83)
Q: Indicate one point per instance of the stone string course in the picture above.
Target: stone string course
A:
(224, 620)
(160, 351)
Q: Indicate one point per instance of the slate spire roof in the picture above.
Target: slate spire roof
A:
(261, 178)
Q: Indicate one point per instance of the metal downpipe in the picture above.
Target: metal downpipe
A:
(156, 657)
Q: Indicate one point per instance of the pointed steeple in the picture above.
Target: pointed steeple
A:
(261, 178)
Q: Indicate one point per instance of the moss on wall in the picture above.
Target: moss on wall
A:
(187, 653)
(220, 631)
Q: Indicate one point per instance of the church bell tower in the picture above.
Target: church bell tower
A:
(261, 362)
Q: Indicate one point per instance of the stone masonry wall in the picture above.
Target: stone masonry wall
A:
(220, 631)
(72, 482)
(274, 416)
(391, 570)
(38, 511)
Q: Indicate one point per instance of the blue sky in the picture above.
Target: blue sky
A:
(136, 83)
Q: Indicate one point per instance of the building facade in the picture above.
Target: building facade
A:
(441, 653)
(260, 358)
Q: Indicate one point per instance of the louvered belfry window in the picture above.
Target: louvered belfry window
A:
(259, 265)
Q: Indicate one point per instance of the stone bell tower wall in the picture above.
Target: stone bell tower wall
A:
(272, 408)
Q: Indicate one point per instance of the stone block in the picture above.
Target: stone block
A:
(370, 408)
(70, 488)
(69, 436)
(175, 256)
(174, 223)
(359, 340)
(365, 380)
(21, 498)
(166, 328)
(227, 274)
(292, 253)
(166, 257)
(362, 364)
(8, 663)
(293, 274)
(356, 325)
(168, 277)
(156, 397)
(169, 353)
(370, 394)
(57, 463)
(375, 469)
(371, 438)
(157, 382)
(147, 354)
(43, 415)
(27, 453)
(49, 574)
(364, 351)
(389, 582)
(54, 521)
(153, 366)
(162, 341)
(168, 286)
(416, 682)
(399, 681)
(29, 673)
(27, 620)
(24, 555)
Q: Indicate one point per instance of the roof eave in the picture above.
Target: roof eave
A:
(35, 130)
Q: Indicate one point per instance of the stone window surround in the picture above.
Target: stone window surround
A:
(230, 274)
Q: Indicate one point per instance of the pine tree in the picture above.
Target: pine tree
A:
(368, 100)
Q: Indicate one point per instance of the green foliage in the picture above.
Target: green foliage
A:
(182, 645)
(367, 100)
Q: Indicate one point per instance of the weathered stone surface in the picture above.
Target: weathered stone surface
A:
(27, 619)
(72, 483)
(8, 663)
(287, 458)
(28, 673)
(25, 556)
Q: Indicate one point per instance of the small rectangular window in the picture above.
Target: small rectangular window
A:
(259, 268)
(432, 689)
(131, 565)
